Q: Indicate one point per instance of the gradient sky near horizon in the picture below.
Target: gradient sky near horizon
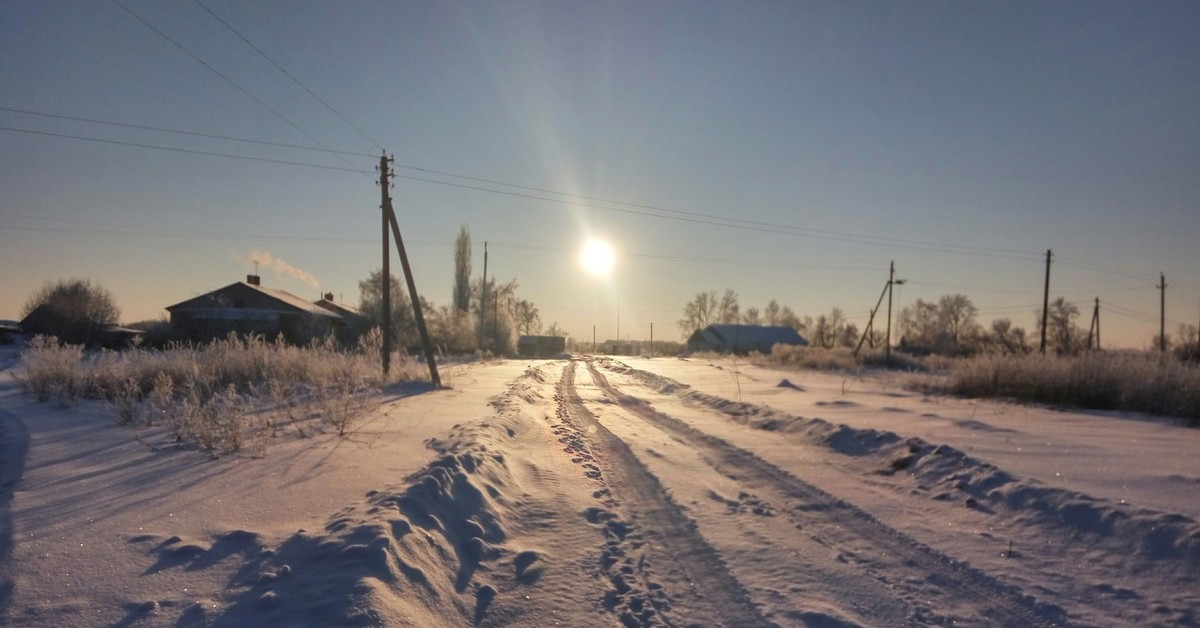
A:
(787, 150)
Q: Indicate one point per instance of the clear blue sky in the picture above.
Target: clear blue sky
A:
(961, 139)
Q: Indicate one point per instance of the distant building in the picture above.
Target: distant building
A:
(622, 347)
(541, 346)
(344, 311)
(353, 325)
(46, 321)
(742, 339)
(246, 307)
(8, 330)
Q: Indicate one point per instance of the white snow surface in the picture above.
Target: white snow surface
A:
(610, 492)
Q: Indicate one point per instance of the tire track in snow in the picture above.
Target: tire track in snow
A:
(841, 524)
(649, 539)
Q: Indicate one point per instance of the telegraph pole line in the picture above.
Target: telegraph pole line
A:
(426, 345)
(1162, 313)
(891, 282)
(1046, 301)
(1094, 328)
(483, 298)
(871, 322)
(386, 274)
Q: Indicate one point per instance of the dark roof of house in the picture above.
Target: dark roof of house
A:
(288, 301)
(751, 334)
(343, 310)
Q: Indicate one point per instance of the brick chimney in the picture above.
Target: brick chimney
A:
(254, 280)
(329, 297)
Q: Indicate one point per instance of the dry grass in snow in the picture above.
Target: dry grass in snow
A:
(230, 395)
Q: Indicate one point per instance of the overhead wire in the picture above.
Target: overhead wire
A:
(191, 151)
(225, 78)
(287, 74)
(159, 129)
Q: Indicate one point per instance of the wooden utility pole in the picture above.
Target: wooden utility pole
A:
(483, 298)
(871, 322)
(1162, 313)
(1094, 328)
(385, 279)
(426, 345)
(1045, 302)
(891, 282)
(651, 339)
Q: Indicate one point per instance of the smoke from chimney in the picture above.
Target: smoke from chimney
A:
(282, 268)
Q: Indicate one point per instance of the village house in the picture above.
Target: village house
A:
(742, 339)
(246, 307)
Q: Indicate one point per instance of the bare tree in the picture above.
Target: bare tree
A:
(956, 316)
(751, 317)
(462, 271)
(74, 310)
(918, 324)
(771, 314)
(528, 319)
(727, 307)
(555, 330)
(698, 313)
(788, 318)
(829, 330)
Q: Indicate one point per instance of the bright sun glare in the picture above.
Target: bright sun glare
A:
(597, 258)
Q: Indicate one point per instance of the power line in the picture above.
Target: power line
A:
(288, 74)
(183, 132)
(680, 215)
(183, 150)
(229, 80)
(684, 217)
(772, 227)
(766, 226)
(683, 258)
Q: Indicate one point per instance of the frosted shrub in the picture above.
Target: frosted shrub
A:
(51, 371)
(223, 396)
(1106, 381)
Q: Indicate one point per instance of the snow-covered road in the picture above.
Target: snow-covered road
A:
(622, 492)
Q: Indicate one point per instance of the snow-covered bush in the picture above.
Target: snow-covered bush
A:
(1139, 382)
(223, 395)
(50, 370)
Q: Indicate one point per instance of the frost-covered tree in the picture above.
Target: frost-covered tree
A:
(74, 310)
(1062, 335)
(370, 305)
(772, 314)
(462, 271)
(728, 308)
(956, 317)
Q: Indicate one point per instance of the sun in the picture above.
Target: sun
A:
(597, 258)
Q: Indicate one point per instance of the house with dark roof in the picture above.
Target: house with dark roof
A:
(742, 339)
(246, 307)
(541, 346)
